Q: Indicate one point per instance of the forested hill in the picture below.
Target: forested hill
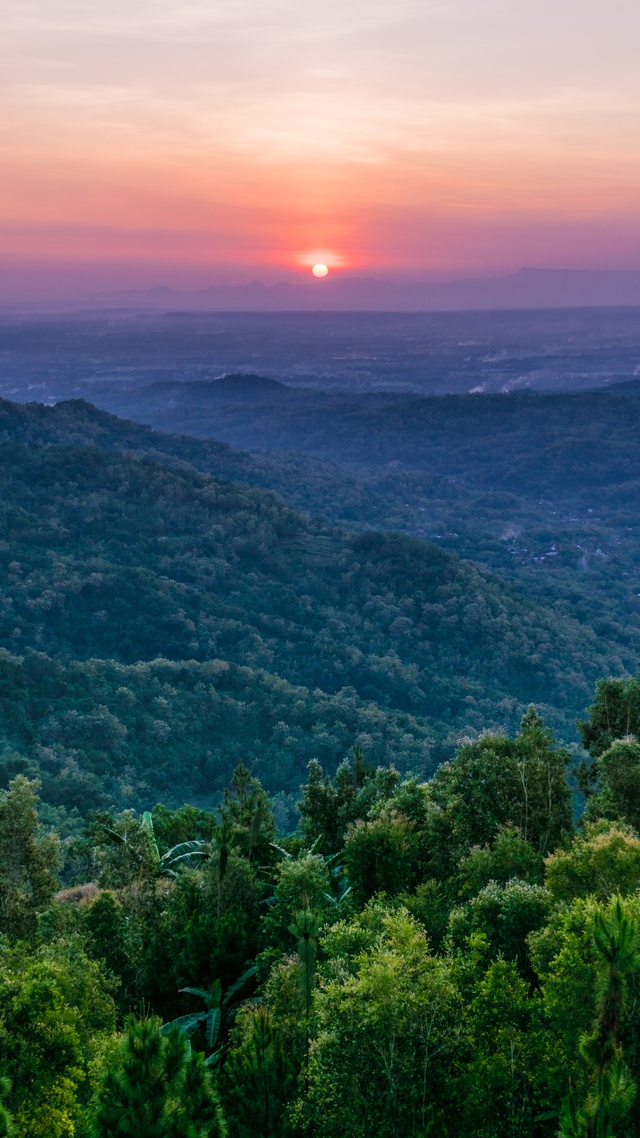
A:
(166, 636)
(112, 557)
(78, 423)
(100, 734)
(577, 553)
(322, 489)
(524, 442)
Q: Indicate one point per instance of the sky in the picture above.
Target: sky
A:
(180, 142)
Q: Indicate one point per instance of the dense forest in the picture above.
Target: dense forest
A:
(441, 957)
(577, 553)
(289, 638)
(518, 441)
(523, 482)
(535, 496)
(99, 734)
(297, 839)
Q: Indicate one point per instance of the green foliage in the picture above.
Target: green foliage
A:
(259, 1079)
(479, 476)
(173, 729)
(224, 914)
(247, 814)
(431, 906)
(389, 1028)
(416, 978)
(381, 855)
(217, 1006)
(500, 1093)
(107, 928)
(29, 859)
(618, 796)
(124, 851)
(305, 929)
(132, 561)
(613, 1090)
(517, 482)
(505, 915)
(119, 511)
(510, 856)
(602, 860)
(156, 1088)
(497, 781)
(7, 1129)
(614, 714)
(56, 1017)
(189, 823)
(410, 973)
(302, 885)
(328, 805)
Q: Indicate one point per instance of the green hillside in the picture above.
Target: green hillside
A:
(543, 489)
(580, 560)
(423, 948)
(540, 444)
(111, 557)
(98, 733)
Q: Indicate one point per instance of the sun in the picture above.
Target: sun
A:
(319, 270)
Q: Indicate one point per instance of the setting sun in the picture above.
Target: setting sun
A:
(319, 270)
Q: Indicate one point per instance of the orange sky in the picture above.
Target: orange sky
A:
(153, 142)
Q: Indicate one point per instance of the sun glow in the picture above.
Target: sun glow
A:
(319, 270)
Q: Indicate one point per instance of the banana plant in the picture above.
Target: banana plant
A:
(217, 1006)
(183, 854)
(344, 891)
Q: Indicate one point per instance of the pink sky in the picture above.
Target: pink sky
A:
(146, 142)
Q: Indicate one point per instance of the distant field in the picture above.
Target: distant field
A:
(50, 358)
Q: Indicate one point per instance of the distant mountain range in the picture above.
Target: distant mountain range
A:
(527, 288)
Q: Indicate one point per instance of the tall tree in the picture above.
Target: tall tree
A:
(56, 1019)
(258, 1080)
(617, 944)
(29, 858)
(156, 1088)
(390, 1026)
(496, 781)
(305, 928)
(246, 811)
(614, 714)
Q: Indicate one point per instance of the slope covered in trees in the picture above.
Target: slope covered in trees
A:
(109, 557)
(579, 556)
(425, 947)
(98, 733)
(541, 488)
(520, 442)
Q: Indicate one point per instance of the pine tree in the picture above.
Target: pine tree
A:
(156, 1089)
(306, 929)
(617, 945)
(258, 1080)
